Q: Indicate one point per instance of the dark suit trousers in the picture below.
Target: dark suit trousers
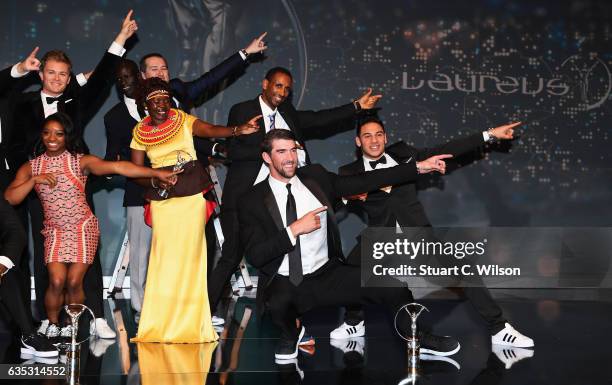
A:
(13, 301)
(231, 255)
(479, 297)
(92, 282)
(334, 284)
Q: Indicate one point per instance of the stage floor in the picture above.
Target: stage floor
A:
(572, 346)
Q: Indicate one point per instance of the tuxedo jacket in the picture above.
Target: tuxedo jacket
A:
(402, 205)
(80, 103)
(263, 233)
(12, 235)
(9, 88)
(244, 151)
(119, 124)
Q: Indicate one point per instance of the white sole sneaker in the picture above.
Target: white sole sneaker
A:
(509, 336)
(346, 331)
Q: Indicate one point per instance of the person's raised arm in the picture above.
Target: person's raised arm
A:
(207, 130)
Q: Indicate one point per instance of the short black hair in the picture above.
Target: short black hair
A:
(368, 119)
(275, 134)
(149, 85)
(74, 142)
(143, 64)
(273, 71)
(129, 64)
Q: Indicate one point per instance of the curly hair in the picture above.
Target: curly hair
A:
(149, 85)
(73, 141)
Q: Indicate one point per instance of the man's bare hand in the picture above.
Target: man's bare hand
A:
(310, 222)
(434, 163)
(128, 28)
(505, 132)
(30, 63)
(257, 45)
(368, 101)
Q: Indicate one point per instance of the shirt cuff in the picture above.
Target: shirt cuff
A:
(291, 237)
(5, 261)
(116, 49)
(243, 56)
(15, 72)
(486, 136)
(81, 79)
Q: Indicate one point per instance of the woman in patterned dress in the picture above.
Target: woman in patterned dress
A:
(71, 231)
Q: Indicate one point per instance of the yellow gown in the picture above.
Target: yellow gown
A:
(175, 307)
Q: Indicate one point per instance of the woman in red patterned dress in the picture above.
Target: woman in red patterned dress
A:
(71, 231)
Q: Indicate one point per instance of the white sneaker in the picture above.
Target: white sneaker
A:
(217, 321)
(66, 331)
(52, 331)
(510, 356)
(42, 329)
(99, 327)
(510, 337)
(345, 331)
(356, 344)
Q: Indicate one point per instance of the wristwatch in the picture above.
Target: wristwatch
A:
(244, 52)
(357, 105)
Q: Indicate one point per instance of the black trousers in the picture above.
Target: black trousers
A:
(231, 255)
(13, 302)
(92, 282)
(479, 296)
(334, 284)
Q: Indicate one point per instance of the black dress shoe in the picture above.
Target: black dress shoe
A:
(288, 348)
(438, 345)
(37, 345)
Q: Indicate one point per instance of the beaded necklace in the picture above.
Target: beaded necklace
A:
(148, 134)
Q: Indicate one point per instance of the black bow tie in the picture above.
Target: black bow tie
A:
(51, 99)
(381, 160)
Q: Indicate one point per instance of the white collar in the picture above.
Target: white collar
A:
(44, 96)
(280, 186)
(265, 109)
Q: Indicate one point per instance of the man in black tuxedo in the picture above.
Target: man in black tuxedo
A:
(399, 206)
(79, 103)
(247, 167)
(120, 121)
(290, 235)
(12, 288)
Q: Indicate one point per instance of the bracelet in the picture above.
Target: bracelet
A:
(234, 130)
(153, 184)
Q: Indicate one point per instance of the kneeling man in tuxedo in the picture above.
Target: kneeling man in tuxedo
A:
(290, 234)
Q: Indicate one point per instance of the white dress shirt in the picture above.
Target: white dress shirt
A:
(280, 123)
(313, 246)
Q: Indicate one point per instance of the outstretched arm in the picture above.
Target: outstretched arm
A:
(93, 164)
(206, 130)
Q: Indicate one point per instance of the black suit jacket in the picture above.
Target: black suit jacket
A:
(261, 228)
(12, 235)
(189, 93)
(10, 88)
(78, 102)
(244, 150)
(402, 204)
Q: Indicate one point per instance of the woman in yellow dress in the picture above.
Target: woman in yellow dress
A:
(176, 307)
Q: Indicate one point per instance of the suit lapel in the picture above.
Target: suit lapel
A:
(272, 206)
(315, 189)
